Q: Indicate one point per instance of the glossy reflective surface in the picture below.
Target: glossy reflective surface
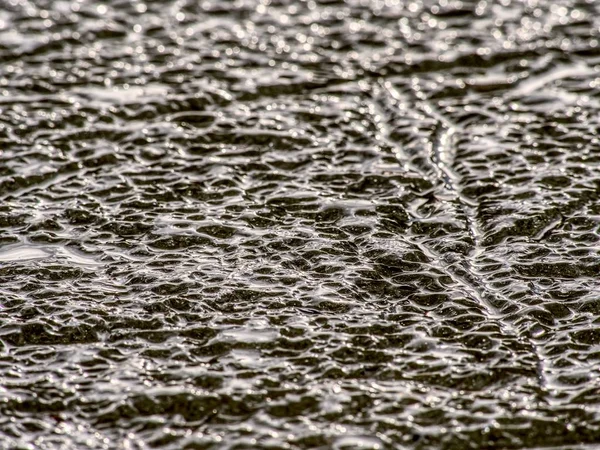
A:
(299, 224)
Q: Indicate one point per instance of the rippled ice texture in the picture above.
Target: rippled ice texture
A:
(299, 224)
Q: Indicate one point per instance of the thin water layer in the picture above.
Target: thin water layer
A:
(22, 253)
(299, 224)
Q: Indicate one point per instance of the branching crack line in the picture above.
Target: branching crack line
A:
(461, 267)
